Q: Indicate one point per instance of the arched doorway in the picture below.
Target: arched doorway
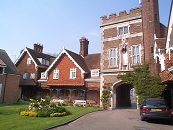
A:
(122, 95)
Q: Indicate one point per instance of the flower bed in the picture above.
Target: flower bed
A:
(43, 108)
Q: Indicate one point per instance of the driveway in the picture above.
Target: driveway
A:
(119, 119)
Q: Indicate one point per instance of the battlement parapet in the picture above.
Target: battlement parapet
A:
(123, 15)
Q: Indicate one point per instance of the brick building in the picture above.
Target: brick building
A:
(73, 76)
(167, 73)
(9, 79)
(30, 64)
(127, 40)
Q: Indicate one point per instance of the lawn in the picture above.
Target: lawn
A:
(10, 118)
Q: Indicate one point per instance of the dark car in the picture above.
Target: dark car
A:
(155, 108)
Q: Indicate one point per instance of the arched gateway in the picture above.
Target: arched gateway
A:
(121, 95)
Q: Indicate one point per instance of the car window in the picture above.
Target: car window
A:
(155, 103)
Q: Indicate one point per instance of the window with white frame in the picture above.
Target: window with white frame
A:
(32, 75)
(113, 57)
(56, 74)
(95, 73)
(136, 58)
(28, 61)
(25, 75)
(43, 75)
(72, 73)
(123, 30)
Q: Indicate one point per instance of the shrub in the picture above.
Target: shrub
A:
(24, 113)
(43, 114)
(32, 114)
(58, 114)
(43, 108)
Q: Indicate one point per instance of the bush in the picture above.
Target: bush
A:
(43, 114)
(43, 108)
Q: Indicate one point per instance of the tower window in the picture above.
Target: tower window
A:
(113, 57)
(123, 30)
(136, 58)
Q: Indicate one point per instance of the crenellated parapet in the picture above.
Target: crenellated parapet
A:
(123, 15)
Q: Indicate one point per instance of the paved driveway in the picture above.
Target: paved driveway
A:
(119, 119)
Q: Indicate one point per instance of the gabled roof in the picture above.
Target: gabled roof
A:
(34, 55)
(93, 61)
(5, 60)
(77, 60)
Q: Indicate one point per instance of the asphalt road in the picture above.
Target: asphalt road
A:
(119, 119)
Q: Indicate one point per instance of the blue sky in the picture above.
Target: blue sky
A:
(59, 23)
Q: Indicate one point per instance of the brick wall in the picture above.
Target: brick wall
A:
(23, 67)
(10, 88)
(64, 64)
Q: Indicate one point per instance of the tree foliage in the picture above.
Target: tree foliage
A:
(145, 84)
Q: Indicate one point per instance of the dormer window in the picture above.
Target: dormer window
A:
(123, 30)
(95, 73)
(43, 61)
(43, 75)
(28, 61)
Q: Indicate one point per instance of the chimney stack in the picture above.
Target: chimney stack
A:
(38, 47)
(83, 46)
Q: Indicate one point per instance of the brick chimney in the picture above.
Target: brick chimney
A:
(83, 46)
(38, 47)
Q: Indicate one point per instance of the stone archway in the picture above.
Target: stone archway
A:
(121, 95)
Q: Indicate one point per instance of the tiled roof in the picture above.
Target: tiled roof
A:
(36, 55)
(166, 76)
(5, 59)
(93, 61)
(168, 60)
(27, 82)
(79, 60)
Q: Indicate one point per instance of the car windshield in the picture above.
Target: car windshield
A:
(155, 103)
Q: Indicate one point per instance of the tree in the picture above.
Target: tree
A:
(145, 84)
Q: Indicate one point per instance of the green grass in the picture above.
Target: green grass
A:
(10, 118)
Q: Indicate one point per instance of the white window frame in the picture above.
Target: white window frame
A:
(113, 57)
(95, 73)
(137, 56)
(28, 61)
(73, 73)
(56, 74)
(25, 75)
(123, 30)
(32, 75)
(43, 75)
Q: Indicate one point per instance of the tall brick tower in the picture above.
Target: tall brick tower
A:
(151, 26)
(129, 39)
